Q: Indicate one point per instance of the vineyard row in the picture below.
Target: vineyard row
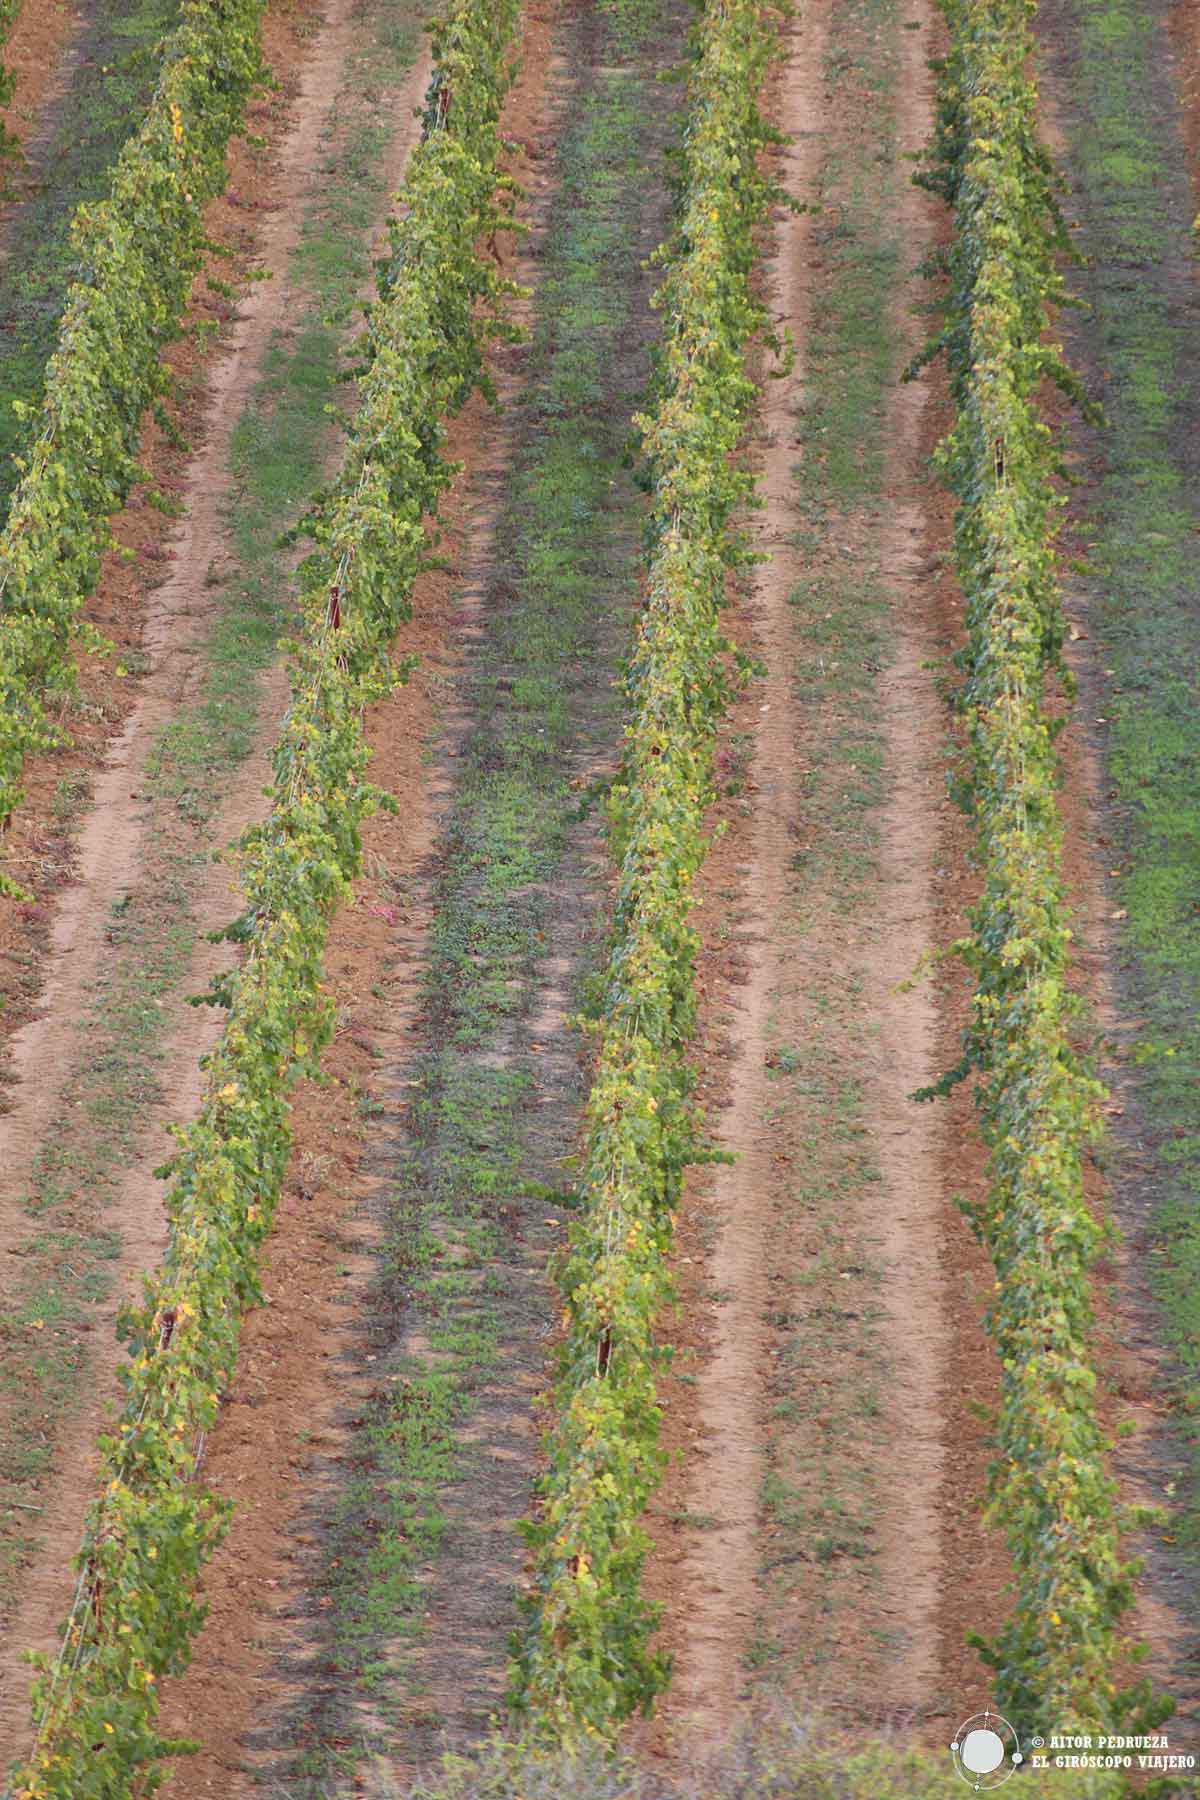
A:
(1049, 1487)
(584, 1661)
(148, 1536)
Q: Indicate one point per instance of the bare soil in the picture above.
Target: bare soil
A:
(939, 1554)
(37, 53)
(716, 1573)
(1185, 56)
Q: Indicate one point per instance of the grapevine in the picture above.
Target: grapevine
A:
(1049, 1487)
(583, 1662)
(150, 1532)
(140, 249)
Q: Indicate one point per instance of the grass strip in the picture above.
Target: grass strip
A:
(583, 1661)
(149, 1535)
(141, 248)
(1049, 1487)
(1131, 180)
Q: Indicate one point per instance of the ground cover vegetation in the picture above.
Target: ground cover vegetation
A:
(149, 1534)
(8, 18)
(1048, 1484)
(823, 1490)
(114, 65)
(584, 1661)
(1138, 228)
(774, 1755)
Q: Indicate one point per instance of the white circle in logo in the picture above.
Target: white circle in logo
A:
(986, 1751)
(981, 1752)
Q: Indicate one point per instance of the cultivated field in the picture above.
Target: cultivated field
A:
(599, 899)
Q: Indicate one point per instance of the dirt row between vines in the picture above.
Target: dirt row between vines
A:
(38, 54)
(874, 1622)
(109, 860)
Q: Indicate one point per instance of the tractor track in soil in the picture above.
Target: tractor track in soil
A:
(928, 1153)
(719, 1574)
(115, 835)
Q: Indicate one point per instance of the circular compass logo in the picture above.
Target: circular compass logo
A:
(986, 1750)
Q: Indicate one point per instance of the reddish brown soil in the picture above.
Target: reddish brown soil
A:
(1185, 42)
(717, 1567)
(37, 47)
